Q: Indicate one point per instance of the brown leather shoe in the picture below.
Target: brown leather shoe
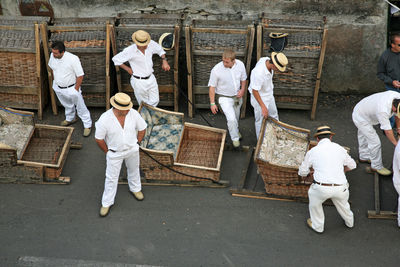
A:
(309, 224)
(138, 195)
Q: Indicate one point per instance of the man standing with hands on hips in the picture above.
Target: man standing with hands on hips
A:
(262, 88)
(140, 55)
(68, 77)
(228, 82)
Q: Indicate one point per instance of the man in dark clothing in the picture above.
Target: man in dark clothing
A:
(389, 65)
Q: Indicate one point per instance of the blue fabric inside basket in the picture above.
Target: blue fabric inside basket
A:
(163, 131)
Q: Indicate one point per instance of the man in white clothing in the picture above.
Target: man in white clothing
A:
(372, 110)
(396, 178)
(116, 135)
(68, 77)
(330, 161)
(228, 82)
(139, 55)
(262, 88)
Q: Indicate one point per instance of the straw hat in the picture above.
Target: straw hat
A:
(277, 35)
(323, 130)
(141, 38)
(121, 101)
(280, 60)
(167, 41)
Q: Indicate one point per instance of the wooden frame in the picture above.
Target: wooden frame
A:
(171, 23)
(300, 98)
(34, 95)
(233, 27)
(378, 213)
(89, 90)
(21, 170)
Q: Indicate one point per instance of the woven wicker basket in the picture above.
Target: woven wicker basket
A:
(298, 86)
(23, 79)
(155, 25)
(87, 38)
(205, 43)
(280, 150)
(199, 153)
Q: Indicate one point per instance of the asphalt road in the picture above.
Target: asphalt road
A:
(59, 225)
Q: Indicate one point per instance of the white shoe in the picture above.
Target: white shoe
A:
(236, 143)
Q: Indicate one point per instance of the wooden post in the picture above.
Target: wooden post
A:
(38, 71)
(176, 66)
(260, 42)
(317, 84)
(45, 42)
(115, 51)
(249, 45)
(108, 29)
(189, 69)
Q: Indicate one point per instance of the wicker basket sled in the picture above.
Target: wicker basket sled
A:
(205, 43)
(31, 153)
(89, 39)
(280, 150)
(155, 25)
(23, 78)
(185, 150)
(298, 87)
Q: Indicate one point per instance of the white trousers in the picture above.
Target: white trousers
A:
(397, 187)
(146, 90)
(258, 117)
(73, 103)
(339, 195)
(232, 113)
(369, 144)
(114, 163)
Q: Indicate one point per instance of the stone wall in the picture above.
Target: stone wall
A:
(356, 36)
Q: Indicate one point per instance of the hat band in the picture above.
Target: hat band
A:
(120, 104)
(142, 42)
(277, 62)
(323, 130)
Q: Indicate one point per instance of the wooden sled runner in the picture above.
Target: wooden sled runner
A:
(32, 153)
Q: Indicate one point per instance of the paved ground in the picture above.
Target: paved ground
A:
(56, 225)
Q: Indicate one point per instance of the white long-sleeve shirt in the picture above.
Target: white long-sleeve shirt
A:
(376, 109)
(141, 64)
(328, 160)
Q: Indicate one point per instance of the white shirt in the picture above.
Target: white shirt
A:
(261, 79)
(227, 80)
(141, 64)
(117, 138)
(396, 164)
(376, 109)
(328, 160)
(65, 69)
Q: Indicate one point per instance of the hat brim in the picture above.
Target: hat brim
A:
(162, 37)
(282, 69)
(140, 43)
(277, 35)
(117, 106)
(324, 132)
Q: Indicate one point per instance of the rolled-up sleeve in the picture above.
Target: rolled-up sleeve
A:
(349, 162)
(305, 166)
(156, 48)
(101, 131)
(384, 121)
(213, 78)
(122, 57)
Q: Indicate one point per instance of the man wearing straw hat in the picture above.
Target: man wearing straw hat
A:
(372, 110)
(261, 87)
(228, 81)
(118, 132)
(139, 55)
(330, 161)
(68, 77)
